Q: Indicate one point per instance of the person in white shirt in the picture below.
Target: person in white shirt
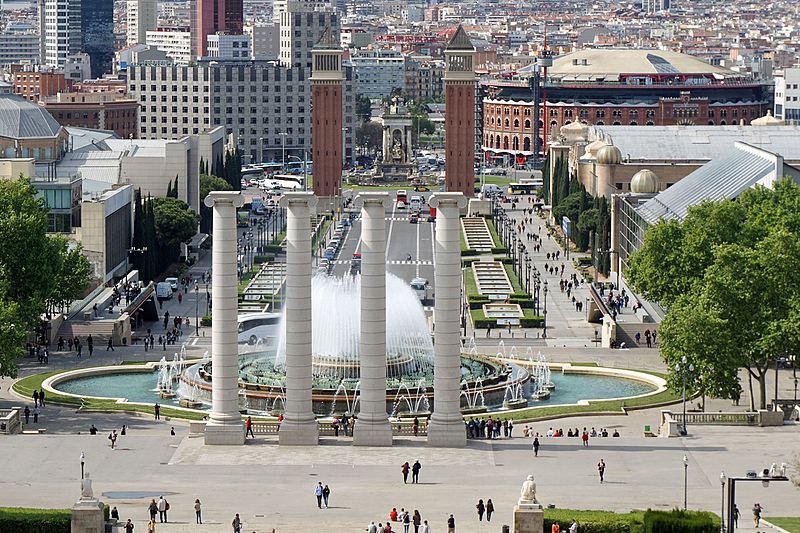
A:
(372, 528)
(425, 527)
(573, 528)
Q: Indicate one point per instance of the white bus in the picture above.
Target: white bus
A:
(259, 326)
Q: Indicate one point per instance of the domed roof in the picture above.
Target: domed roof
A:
(767, 120)
(574, 131)
(644, 182)
(21, 119)
(592, 149)
(609, 155)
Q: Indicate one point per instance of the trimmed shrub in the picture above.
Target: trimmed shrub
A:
(680, 521)
(594, 521)
(22, 520)
(469, 252)
(263, 258)
(206, 321)
(500, 250)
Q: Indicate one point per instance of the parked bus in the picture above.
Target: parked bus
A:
(524, 188)
(259, 326)
(243, 220)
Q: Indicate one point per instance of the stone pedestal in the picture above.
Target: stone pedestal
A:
(528, 518)
(373, 428)
(299, 426)
(224, 423)
(87, 516)
(446, 427)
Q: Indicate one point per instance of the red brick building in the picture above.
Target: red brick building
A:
(459, 126)
(618, 87)
(97, 110)
(326, 116)
(34, 85)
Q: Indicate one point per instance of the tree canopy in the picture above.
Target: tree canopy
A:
(369, 135)
(208, 184)
(38, 272)
(729, 274)
(175, 222)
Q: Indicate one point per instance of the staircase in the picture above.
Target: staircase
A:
(101, 330)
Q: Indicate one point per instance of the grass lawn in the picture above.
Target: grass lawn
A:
(501, 181)
(512, 276)
(493, 232)
(470, 283)
(791, 523)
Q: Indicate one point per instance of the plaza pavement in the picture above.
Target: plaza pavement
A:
(272, 487)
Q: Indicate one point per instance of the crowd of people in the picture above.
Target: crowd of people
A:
(489, 428)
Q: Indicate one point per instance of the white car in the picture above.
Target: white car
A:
(173, 282)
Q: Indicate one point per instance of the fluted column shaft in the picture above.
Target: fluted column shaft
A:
(446, 426)
(372, 428)
(225, 424)
(299, 426)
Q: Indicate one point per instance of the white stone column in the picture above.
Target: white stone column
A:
(409, 146)
(299, 426)
(224, 423)
(446, 427)
(372, 427)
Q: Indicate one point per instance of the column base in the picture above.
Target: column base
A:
(447, 433)
(231, 434)
(372, 433)
(528, 518)
(87, 516)
(298, 433)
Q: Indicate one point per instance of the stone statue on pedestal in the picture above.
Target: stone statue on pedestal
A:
(86, 488)
(527, 494)
(397, 152)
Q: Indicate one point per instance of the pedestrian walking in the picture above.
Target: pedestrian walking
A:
(481, 509)
(129, 526)
(735, 516)
(489, 510)
(157, 412)
(585, 438)
(416, 520)
(406, 522)
(318, 493)
(27, 413)
(112, 437)
(416, 426)
(573, 527)
(35, 398)
(237, 524)
(110, 345)
(249, 425)
(41, 397)
(415, 471)
(153, 509)
(326, 493)
(757, 508)
(405, 468)
(425, 527)
(536, 446)
(451, 524)
(198, 511)
(163, 507)
(601, 469)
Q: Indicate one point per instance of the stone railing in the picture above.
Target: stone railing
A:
(9, 421)
(671, 422)
(326, 428)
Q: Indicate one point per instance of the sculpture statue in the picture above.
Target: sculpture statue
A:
(397, 151)
(86, 488)
(528, 492)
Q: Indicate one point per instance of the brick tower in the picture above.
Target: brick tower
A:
(459, 118)
(326, 118)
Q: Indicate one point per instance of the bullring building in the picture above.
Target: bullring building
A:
(618, 87)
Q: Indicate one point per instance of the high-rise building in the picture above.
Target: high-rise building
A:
(59, 31)
(654, 6)
(326, 116)
(214, 16)
(229, 46)
(142, 17)
(787, 95)
(459, 119)
(97, 34)
(67, 27)
(379, 71)
(19, 43)
(264, 40)
(176, 43)
(302, 26)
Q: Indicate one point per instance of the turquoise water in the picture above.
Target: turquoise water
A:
(570, 388)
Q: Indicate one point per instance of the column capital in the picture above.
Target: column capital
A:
(373, 198)
(221, 197)
(299, 198)
(448, 199)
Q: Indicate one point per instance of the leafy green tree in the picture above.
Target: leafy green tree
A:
(33, 266)
(369, 136)
(733, 268)
(174, 221)
(208, 184)
(363, 107)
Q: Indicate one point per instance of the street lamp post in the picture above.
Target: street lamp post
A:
(83, 461)
(196, 310)
(208, 299)
(283, 135)
(722, 480)
(681, 367)
(544, 319)
(685, 482)
(261, 150)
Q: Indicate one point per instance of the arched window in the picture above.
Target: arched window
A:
(527, 124)
(507, 123)
(616, 123)
(497, 142)
(526, 144)
(634, 123)
(516, 123)
(710, 122)
(516, 143)
(505, 143)
(650, 123)
(722, 122)
(599, 123)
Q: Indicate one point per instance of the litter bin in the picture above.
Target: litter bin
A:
(506, 529)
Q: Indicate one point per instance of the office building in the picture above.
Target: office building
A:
(142, 17)
(266, 106)
(787, 95)
(34, 82)
(214, 16)
(176, 43)
(97, 34)
(301, 28)
(109, 111)
(264, 41)
(379, 71)
(59, 31)
(19, 43)
(223, 46)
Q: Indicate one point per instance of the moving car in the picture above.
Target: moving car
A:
(164, 291)
(173, 282)
(420, 287)
(259, 326)
(414, 218)
(421, 188)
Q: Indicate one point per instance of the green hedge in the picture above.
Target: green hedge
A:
(272, 248)
(263, 258)
(680, 521)
(206, 321)
(469, 252)
(21, 520)
(500, 250)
